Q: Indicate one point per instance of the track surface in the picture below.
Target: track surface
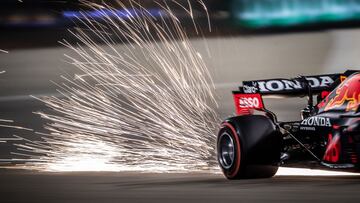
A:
(131, 187)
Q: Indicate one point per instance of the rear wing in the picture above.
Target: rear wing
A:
(289, 87)
(250, 95)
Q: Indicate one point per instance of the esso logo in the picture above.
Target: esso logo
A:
(249, 102)
(245, 102)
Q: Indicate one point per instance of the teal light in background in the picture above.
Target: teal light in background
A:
(269, 13)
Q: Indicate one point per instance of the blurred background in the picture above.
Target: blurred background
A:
(249, 39)
(46, 21)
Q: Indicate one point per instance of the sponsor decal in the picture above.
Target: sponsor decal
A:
(244, 102)
(278, 85)
(317, 121)
(250, 89)
(346, 96)
(250, 102)
(307, 128)
(332, 153)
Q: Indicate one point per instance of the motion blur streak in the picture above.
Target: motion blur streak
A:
(285, 171)
(149, 107)
(99, 14)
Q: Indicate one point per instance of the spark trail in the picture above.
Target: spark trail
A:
(148, 106)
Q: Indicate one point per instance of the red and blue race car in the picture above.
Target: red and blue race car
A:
(254, 143)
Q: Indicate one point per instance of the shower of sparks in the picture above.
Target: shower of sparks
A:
(146, 107)
(9, 124)
(5, 123)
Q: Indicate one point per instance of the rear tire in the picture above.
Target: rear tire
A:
(233, 154)
(229, 151)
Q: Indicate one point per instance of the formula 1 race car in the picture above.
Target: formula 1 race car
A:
(254, 143)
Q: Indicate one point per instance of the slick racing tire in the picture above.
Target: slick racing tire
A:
(240, 159)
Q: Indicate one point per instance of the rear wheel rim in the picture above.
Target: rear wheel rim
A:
(226, 150)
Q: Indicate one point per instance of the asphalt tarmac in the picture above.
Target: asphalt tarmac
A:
(20, 186)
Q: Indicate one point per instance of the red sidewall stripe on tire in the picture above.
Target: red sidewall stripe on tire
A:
(238, 152)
